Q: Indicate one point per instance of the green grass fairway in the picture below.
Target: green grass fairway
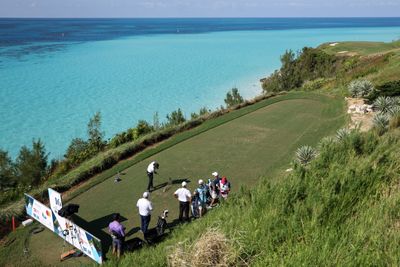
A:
(257, 144)
(362, 48)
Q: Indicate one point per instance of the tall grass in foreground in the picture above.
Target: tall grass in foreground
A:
(343, 209)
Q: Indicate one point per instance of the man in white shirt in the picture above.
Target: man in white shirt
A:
(151, 170)
(145, 207)
(184, 196)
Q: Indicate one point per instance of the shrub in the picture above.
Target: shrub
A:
(360, 88)
(381, 123)
(31, 164)
(143, 127)
(233, 98)
(175, 118)
(314, 84)
(305, 154)
(391, 88)
(7, 171)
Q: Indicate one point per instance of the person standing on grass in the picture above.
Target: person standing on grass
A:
(214, 189)
(151, 170)
(117, 231)
(145, 207)
(225, 187)
(202, 191)
(184, 197)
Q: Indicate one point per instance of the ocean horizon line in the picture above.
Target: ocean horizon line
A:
(205, 17)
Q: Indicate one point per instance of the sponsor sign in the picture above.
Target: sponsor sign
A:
(66, 229)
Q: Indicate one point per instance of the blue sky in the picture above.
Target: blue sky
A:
(199, 8)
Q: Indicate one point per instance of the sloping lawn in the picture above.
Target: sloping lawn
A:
(259, 143)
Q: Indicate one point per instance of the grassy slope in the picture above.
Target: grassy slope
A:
(244, 149)
(378, 62)
(362, 48)
(342, 210)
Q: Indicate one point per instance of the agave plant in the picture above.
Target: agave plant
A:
(360, 88)
(394, 111)
(381, 123)
(396, 101)
(384, 104)
(305, 154)
(342, 133)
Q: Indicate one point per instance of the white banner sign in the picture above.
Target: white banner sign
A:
(72, 233)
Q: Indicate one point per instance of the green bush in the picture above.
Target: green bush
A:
(314, 84)
(309, 65)
(342, 210)
(175, 118)
(391, 89)
(233, 98)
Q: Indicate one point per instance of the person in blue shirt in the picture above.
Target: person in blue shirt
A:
(202, 192)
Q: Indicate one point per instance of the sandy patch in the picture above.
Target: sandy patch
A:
(359, 119)
(333, 44)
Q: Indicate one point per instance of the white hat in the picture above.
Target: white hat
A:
(146, 194)
(201, 181)
(215, 174)
(184, 184)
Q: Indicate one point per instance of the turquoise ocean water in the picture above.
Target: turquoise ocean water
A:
(51, 95)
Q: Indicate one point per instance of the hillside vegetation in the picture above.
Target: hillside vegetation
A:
(338, 207)
(342, 209)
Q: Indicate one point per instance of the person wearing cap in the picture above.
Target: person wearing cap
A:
(151, 170)
(214, 189)
(184, 196)
(225, 187)
(145, 207)
(202, 192)
(117, 231)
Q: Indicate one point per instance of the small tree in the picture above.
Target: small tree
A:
(143, 127)
(96, 142)
(176, 117)
(156, 122)
(233, 98)
(7, 171)
(31, 164)
(77, 152)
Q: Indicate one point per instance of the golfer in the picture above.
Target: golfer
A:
(151, 170)
(145, 207)
(184, 197)
(117, 231)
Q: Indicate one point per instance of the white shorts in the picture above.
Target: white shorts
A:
(214, 194)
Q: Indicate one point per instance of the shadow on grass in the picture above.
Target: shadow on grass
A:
(132, 231)
(170, 182)
(95, 228)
